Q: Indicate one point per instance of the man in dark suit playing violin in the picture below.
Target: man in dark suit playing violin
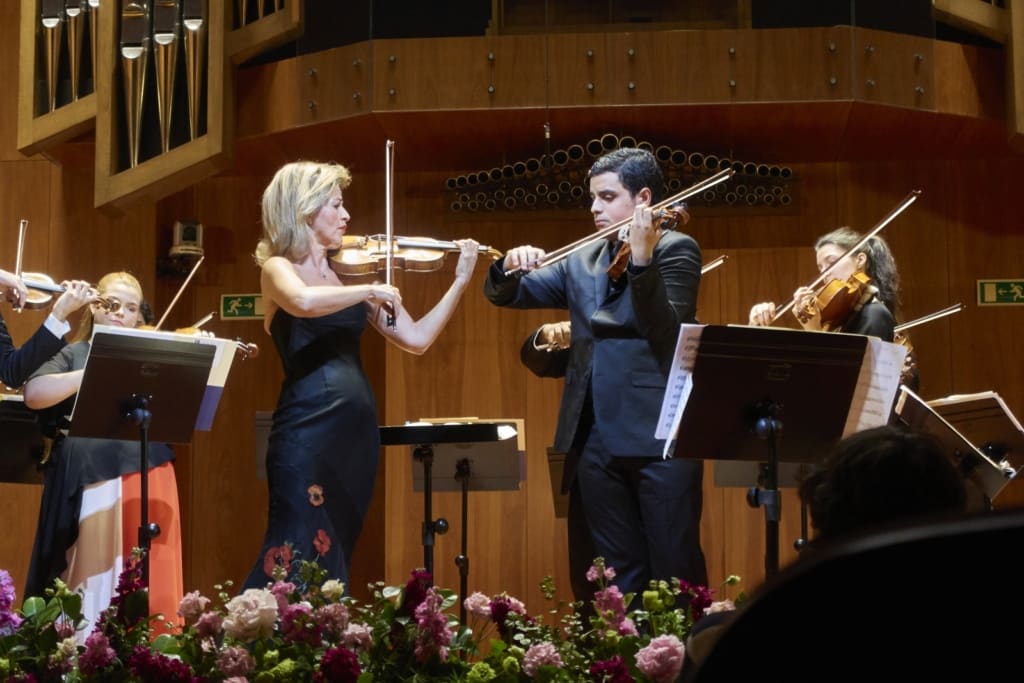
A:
(643, 511)
(17, 364)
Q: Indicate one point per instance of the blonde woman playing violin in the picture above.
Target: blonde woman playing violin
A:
(876, 316)
(89, 516)
(17, 364)
(324, 441)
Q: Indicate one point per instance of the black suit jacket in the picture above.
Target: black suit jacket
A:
(17, 364)
(623, 336)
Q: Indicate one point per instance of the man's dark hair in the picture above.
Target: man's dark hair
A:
(636, 168)
(879, 476)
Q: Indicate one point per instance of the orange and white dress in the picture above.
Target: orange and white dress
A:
(90, 513)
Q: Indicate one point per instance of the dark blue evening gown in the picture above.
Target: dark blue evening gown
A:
(324, 446)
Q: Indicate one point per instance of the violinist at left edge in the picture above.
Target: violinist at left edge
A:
(643, 511)
(89, 516)
(17, 364)
(324, 441)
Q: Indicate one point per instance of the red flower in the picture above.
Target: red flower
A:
(316, 495)
(322, 542)
(339, 665)
(279, 555)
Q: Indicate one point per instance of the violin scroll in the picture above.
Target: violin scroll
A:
(668, 218)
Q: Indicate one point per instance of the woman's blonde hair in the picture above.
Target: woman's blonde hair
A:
(84, 332)
(297, 191)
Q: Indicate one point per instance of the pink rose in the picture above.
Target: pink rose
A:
(662, 659)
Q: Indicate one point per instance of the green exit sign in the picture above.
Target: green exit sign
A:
(241, 307)
(1001, 292)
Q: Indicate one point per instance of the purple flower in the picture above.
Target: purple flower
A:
(434, 634)
(662, 659)
(501, 607)
(298, 625)
(333, 618)
(281, 591)
(700, 598)
(153, 666)
(415, 590)
(478, 605)
(98, 653)
(610, 605)
(209, 624)
(540, 654)
(235, 661)
(598, 571)
(610, 671)
(357, 637)
(339, 665)
(192, 606)
(7, 592)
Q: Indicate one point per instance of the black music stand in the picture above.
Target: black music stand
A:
(451, 445)
(746, 382)
(22, 447)
(136, 387)
(984, 467)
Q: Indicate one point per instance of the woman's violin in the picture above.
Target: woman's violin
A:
(834, 303)
(368, 255)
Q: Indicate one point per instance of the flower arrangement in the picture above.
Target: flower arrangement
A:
(307, 629)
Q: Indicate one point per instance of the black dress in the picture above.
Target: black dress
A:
(323, 448)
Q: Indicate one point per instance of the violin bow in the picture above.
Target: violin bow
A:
(697, 188)
(948, 310)
(907, 201)
(713, 263)
(181, 289)
(22, 227)
(389, 227)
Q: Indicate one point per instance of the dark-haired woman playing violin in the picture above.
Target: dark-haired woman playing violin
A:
(876, 316)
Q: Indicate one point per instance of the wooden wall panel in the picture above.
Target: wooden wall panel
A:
(417, 74)
(789, 64)
(10, 17)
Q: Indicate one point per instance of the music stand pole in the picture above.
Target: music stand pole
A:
(769, 428)
(425, 454)
(462, 472)
(141, 415)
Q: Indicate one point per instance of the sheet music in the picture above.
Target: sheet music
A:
(679, 380)
(876, 386)
(981, 398)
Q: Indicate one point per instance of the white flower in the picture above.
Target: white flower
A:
(720, 606)
(332, 589)
(251, 615)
